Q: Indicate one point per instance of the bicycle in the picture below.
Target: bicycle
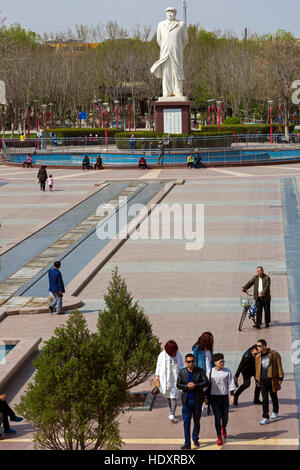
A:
(249, 308)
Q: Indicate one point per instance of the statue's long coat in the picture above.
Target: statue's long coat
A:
(171, 38)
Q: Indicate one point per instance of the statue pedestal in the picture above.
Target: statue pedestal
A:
(173, 116)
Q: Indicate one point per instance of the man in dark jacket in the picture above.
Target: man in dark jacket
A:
(191, 380)
(262, 295)
(56, 288)
(247, 369)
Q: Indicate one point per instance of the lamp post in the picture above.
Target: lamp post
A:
(209, 111)
(100, 113)
(51, 115)
(129, 113)
(270, 102)
(44, 108)
(36, 115)
(28, 121)
(106, 110)
(213, 112)
(280, 114)
(117, 102)
(1, 107)
(219, 103)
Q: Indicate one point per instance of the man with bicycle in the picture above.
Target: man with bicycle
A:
(262, 295)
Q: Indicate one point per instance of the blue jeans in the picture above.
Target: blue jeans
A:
(188, 411)
(57, 302)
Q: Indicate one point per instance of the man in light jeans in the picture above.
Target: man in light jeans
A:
(56, 288)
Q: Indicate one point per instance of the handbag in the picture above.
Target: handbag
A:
(275, 385)
(155, 390)
(207, 390)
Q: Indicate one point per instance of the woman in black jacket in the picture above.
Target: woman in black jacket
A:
(42, 177)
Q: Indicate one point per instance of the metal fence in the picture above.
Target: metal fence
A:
(100, 144)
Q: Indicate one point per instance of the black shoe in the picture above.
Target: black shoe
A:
(257, 402)
(267, 325)
(256, 326)
(185, 447)
(51, 309)
(196, 443)
(235, 403)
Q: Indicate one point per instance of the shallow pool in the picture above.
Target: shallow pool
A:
(5, 349)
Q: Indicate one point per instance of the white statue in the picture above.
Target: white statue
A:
(172, 38)
(2, 93)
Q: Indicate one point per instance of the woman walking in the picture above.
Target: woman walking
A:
(203, 350)
(169, 363)
(42, 177)
(222, 383)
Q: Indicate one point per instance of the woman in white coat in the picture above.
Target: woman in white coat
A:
(169, 363)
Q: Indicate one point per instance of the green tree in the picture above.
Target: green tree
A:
(77, 392)
(126, 331)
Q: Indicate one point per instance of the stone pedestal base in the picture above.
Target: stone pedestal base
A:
(173, 117)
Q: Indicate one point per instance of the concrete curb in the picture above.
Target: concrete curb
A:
(148, 405)
(24, 348)
(60, 214)
(87, 274)
(70, 303)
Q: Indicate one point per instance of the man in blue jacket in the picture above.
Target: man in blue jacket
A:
(56, 288)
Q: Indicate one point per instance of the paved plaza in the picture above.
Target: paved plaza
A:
(251, 219)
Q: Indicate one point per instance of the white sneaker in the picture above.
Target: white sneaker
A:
(274, 416)
(264, 421)
(171, 417)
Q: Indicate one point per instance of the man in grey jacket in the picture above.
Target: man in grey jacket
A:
(262, 295)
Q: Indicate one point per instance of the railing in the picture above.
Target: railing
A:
(178, 158)
(147, 145)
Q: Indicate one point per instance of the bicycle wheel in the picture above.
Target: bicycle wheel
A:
(244, 314)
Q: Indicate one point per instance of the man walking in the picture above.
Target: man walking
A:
(262, 295)
(269, 376)
(247, 369)
(56, 288)
(161, 153)
(191, 380)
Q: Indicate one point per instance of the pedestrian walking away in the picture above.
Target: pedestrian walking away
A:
(269, 376)
(169, 363)
(247, 369)
(56, 288)
(42, 177)
(5, 413)
(192, 381)
(262, 295)
(221, 385)
(161, 153)
(203, 351)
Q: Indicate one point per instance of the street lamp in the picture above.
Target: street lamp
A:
(36, 115)
(271, 102)
(100, 113)
(219, 103)
(117, 102)
(28, 120)
(44, 108)
(129, 113)
(106, 110)
(1, 109)
(280, 113)
(51, 115)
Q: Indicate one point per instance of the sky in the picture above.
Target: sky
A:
(259, 16)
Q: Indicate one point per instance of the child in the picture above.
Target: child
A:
(222, 384)
(50, 183)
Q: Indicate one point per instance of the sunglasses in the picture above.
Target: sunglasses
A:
(189, 362)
